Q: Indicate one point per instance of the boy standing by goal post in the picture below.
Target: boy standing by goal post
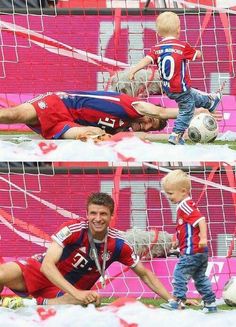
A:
(192, 238)
(171, 56)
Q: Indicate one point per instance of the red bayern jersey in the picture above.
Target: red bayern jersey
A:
(188, 217)
(104, 109)
(58, 112)
(77, 264)
(170, 56)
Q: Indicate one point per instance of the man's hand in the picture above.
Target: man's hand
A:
(87, 297)
(84, 137)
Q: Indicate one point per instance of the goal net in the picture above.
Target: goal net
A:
(36, 198)
(72, 47)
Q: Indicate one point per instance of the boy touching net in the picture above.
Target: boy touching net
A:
(171, 56)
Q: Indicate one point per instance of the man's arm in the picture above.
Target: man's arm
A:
(150, 109)
(50, 270)
(152, 281)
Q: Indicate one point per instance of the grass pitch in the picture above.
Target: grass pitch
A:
(157, 302)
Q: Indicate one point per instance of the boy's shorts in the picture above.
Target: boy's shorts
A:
(36, 283)
(54, 118)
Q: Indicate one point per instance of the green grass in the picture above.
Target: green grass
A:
(17, 133)
(157, 302)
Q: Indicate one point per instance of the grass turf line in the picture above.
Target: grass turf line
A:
(157, 302)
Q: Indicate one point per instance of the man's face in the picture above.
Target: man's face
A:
(99, 218)
(145, 124)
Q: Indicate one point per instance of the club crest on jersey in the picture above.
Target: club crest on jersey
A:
(108, 255)
(42, 105)
(63, 234)
(180, 221)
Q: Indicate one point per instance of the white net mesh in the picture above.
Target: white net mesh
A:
(17, 16)
(59, 49)
(36, 200)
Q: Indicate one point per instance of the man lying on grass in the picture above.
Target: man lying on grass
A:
(83, 115)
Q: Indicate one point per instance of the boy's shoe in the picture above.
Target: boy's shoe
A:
(173, 305)
(209, 307)
(175, 139)
(215, 98)
(13, 302)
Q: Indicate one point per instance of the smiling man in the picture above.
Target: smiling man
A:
(80, 253)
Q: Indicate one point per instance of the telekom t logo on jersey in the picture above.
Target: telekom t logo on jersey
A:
(80, 261)
(108, 122)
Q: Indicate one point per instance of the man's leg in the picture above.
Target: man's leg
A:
(24, 113)
(11, 276)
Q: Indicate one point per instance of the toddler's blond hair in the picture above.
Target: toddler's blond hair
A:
(167, 24)
(177, 178)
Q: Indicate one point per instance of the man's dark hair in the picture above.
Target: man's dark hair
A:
(162, 124)
(101, 199)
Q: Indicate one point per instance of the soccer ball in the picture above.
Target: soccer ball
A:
(229, 292)
(203, 128)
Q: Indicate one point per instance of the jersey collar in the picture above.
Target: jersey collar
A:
(169, 38)
(184, 200)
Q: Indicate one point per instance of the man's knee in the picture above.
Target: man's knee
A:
(11, 115)
(24, 113)
(14, 115)
(17, 114)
